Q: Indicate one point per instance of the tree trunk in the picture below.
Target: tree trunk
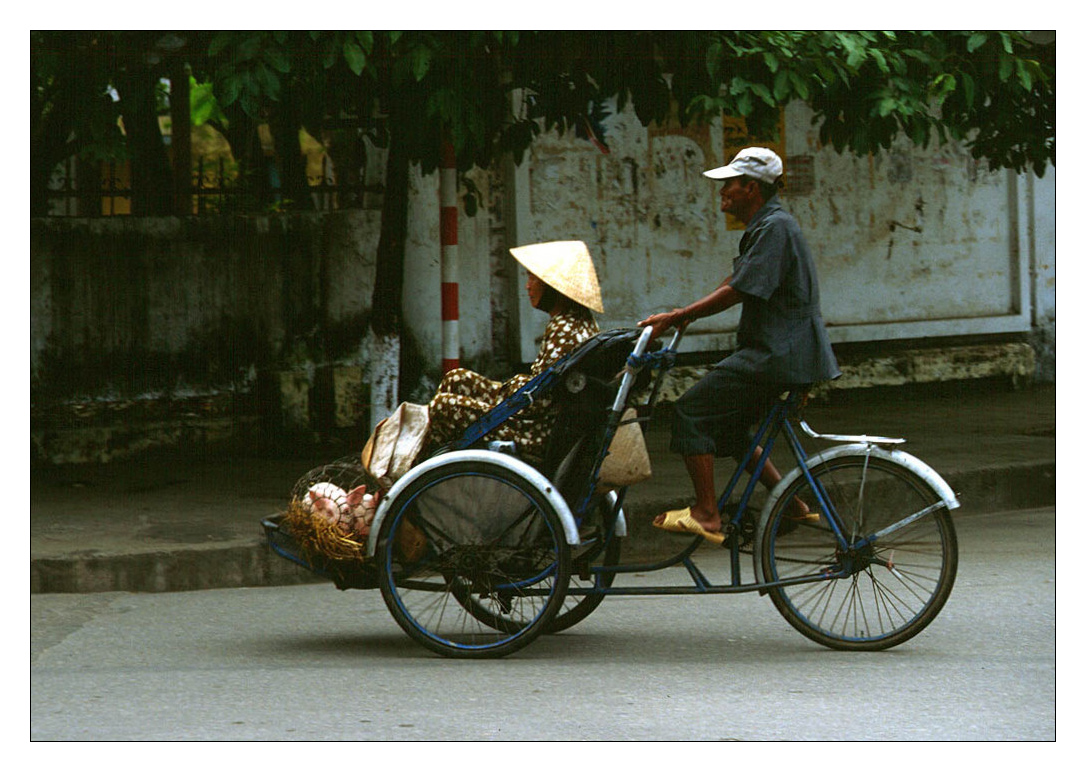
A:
(181, 138)
(152, 177)
(286, 124)
(252, 182)
(386, 319)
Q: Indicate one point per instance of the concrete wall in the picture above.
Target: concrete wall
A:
(913, 243)
(159, 332)
(162, 331)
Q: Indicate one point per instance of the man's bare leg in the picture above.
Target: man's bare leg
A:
(701, 469)
(770, 477)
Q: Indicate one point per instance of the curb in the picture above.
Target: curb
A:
(235, 565)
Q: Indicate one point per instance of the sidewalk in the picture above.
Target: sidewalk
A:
(167, 525)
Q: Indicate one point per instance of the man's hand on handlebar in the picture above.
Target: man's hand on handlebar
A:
(662, 322)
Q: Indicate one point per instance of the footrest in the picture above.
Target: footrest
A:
(346, 574)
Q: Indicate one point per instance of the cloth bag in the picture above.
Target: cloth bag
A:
(396, 442)
(627, 460)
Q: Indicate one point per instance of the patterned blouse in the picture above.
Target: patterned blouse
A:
(465, 396)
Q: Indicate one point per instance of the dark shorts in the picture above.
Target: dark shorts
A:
(715, 416)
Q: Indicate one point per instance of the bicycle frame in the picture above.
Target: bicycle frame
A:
(767, 434)
(777, 421)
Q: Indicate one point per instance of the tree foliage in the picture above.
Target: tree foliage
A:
(992, 90)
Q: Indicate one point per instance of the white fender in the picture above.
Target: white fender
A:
(901, 458)
(513, 464)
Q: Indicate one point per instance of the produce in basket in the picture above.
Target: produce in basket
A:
(331, 510)
(352, 513)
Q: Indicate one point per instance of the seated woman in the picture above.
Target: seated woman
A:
(562, 282)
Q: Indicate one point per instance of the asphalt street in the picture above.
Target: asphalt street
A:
(313, 663)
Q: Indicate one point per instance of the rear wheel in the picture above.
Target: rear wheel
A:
(891, 579)
(474, 560)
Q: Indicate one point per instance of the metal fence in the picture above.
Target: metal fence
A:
(214, 190)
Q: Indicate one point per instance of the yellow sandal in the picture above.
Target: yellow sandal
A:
(681, 521)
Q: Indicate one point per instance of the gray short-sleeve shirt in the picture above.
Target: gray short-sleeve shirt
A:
(781, 336)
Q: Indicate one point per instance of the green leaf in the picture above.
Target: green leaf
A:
(250, 104)
(265, 81)
(248, 48)
(781, 85)
(278, 59)
(421, 58)
(944, 84)
(800, 85)
(713, 56)
(231, 88)
(976, 40)
(354, 56)
(365, 39)
(968, 89)
(1006, 67)
(203, 105)
(1023, 75)
(880, 59)
(856, 51)
(219, 43)
(919, 132)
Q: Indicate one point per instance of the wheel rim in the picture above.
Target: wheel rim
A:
(491, 568)
(885, 591)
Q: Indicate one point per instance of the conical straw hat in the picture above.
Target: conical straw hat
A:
(566, 266)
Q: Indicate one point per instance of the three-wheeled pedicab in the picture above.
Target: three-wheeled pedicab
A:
(477, 550)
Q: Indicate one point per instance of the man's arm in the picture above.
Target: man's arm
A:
(722, 298)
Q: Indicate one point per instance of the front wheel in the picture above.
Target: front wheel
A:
(876, 580)
(474, 560)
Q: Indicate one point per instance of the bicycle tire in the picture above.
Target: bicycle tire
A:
(891, 589)
(490, 539)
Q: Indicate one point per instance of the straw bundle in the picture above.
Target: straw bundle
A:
(319, 537)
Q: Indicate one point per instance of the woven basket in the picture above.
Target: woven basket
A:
(336, 526)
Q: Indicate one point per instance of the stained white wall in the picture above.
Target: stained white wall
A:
(910, 243)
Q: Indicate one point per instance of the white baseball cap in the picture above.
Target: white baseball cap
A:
(759, 163)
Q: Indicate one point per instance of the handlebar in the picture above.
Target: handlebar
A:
(630, 375)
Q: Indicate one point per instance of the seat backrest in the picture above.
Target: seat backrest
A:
(602, 355)
(583, 396)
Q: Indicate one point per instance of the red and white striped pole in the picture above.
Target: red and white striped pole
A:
(450, 283)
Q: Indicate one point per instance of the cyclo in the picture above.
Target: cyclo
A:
(478, 551)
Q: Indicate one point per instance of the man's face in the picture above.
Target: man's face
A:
(735, 195)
